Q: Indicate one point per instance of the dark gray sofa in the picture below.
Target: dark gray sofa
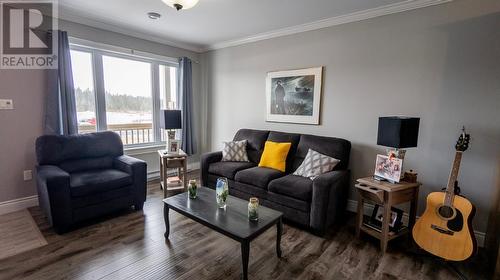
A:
(84, 176)
(315, 204)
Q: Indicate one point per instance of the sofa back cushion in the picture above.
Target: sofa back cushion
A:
(56, 149)
(330, 146)
(280, 137)
(255, 142)
(75, 165)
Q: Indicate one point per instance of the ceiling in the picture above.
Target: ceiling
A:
(219, 23)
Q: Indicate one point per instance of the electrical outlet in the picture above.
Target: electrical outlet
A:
(6, 104)
(27, 175)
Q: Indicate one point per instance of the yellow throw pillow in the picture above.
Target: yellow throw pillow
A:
(274, 155)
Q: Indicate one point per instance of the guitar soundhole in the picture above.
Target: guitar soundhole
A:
(446, 211)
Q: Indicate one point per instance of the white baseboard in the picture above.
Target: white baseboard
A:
(18, 204)
(352, 206)
(154, 175)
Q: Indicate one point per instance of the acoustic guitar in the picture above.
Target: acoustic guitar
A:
(445, 228)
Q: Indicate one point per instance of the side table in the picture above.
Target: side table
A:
(176, 161)
(387, 195)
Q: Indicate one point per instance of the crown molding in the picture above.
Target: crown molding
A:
(66, 14)
(403, 6)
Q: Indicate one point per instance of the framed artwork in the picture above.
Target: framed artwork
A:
(388, 168)
(294, 96)
(396, 219)
(173, 146)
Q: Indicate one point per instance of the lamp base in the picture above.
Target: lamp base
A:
(171, 134)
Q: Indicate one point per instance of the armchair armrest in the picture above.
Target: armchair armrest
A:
(53, 185)
(329, 198)
(206, 160)
(137, 169)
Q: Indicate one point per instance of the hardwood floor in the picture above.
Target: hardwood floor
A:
(132, 246)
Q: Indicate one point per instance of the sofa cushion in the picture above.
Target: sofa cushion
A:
(235, 151)
(274, 155)
(315, 164)
(75, 165)
(258, 176)
(282, 137)
(330, 146)
(291, 185)
(227, 168)
(97, 181)
(255, 142)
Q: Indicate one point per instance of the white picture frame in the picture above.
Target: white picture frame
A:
(299, 98)
(173, 146)
(388, 168)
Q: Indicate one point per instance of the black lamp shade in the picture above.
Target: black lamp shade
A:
(171, 119)
(398, 132)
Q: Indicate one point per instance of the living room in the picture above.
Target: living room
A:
(231, 100)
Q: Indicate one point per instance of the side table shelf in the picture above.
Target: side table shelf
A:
(387, 195)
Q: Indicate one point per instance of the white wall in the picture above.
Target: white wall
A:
(440, 63)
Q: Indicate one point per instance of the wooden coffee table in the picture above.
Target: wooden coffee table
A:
(232, 222)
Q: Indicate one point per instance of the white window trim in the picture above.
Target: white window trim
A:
(98, 50)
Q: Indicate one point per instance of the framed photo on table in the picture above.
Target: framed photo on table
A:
(388, 168)
(173, 146)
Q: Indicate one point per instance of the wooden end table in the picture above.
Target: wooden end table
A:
(177, 161)
(387, 195)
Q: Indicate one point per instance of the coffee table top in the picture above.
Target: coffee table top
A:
(233, 221)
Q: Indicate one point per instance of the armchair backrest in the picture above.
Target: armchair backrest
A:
(79, 152)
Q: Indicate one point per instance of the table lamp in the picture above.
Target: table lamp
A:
(171, 120)
(398, 133)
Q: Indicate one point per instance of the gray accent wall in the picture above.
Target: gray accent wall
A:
(440, 63)
(20, 127)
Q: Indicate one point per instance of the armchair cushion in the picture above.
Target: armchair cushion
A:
(258, 176)
(98, 181)
(228, 168)
(294, 186)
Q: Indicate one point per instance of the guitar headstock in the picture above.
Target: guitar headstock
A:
(463, 141)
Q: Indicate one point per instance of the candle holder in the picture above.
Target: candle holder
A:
(253, 209)
(192, 189)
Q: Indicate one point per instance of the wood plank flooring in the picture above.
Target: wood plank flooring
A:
(132, 246)
(19, 233)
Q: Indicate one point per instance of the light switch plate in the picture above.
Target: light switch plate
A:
(27, 175)
(6, 104)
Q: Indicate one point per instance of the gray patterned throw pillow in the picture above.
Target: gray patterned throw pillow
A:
(235, 151)
(315, 164)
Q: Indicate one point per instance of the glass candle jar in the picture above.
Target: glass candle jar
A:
(221, 192)
(253, 209)
(192, 188)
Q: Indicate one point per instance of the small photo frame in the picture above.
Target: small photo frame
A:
(173, 146)
(388, 168)
(396, 217)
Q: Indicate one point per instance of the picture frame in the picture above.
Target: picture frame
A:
(294, 96)
(396, 221)
(173, 146)
(388, 168)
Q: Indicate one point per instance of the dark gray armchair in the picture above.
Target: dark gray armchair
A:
(84, 176)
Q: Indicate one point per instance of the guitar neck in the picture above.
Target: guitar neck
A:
(450, 188)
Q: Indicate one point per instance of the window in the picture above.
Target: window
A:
(122, 93)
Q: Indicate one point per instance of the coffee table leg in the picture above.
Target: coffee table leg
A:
(279, 227)
(245, 254)
(167, 222)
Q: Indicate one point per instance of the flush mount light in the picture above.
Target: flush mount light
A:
(180, 4)
(153, 15)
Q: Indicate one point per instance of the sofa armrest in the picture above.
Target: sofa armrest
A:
(206, 160)
(54, 197)
(329, 198)
(137, 169)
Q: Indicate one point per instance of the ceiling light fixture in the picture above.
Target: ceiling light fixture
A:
(153, 15)
(180, 4)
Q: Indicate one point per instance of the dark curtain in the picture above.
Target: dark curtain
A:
(186, 105)
(60, 107)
